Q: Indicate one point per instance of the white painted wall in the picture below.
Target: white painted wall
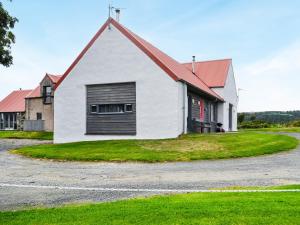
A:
(183, 107)
(229, 94)
(114, 59)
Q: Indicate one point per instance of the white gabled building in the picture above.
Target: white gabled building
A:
(122, 87)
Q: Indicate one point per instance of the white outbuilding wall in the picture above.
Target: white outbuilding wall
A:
(229, 94)
(114, 59)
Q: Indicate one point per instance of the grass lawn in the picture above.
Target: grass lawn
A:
(198, 208)
(283, 187)
(277, 129)
(26, 135)
(185, 148)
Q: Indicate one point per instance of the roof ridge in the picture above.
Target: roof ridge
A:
(22, 90)
(135, 36)
(212, 60)
(173, 68)
(55, 75)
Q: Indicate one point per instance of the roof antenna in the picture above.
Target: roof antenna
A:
(110, 8)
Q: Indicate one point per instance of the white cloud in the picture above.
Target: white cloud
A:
(272, 83)
(30, 65)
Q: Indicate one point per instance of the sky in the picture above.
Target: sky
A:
(261, 36)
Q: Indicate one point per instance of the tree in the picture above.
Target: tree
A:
(241, 117)
(7, 38)
(253, 117)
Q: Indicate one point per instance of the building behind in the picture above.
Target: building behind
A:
(30, 110)
(39, 105)
(12, 110)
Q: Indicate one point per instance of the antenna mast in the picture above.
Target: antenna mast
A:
(109, 10)
(109, 14)
(112, 10)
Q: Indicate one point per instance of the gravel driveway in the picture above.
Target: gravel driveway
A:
(32, 182)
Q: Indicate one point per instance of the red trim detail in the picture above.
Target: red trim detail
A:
(202, 110)
(79, 57)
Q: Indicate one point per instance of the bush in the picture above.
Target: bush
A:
(254, 124)
(294, 123)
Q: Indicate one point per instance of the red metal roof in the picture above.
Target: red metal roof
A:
(213, 73)
(54, 78)
(35, 93)
(14, 102)
(173, 68)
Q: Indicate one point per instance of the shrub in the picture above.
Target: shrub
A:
(294, 123)
(254, 124)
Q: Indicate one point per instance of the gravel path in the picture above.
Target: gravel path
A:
(112, 181)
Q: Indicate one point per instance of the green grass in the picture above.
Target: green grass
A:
(185, 148)
(276, 129)
(26, 135)
(197, 208)
(282, 187)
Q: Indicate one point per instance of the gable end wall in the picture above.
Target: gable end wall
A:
(229, 94)
(115, 59)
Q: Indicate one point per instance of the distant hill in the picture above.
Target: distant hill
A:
(273, 116)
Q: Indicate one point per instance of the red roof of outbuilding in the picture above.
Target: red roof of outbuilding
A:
(35, 93)
(54, 78)
(173, 68)
(14, 102)
(213, 73)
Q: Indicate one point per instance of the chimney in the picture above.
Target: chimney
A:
(118, 12)
(194, 65)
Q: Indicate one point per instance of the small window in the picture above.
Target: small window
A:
(47, 91)
(128, 108)
(94, 109)
(47, 94)
(39, 116)
(111, 108)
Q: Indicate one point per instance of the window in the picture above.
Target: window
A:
(94, 109)
(39, 116)
(47, 91)
(10, 121)
(128, 108)
(111, 108)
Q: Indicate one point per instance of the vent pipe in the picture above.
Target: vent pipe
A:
(194, 65)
